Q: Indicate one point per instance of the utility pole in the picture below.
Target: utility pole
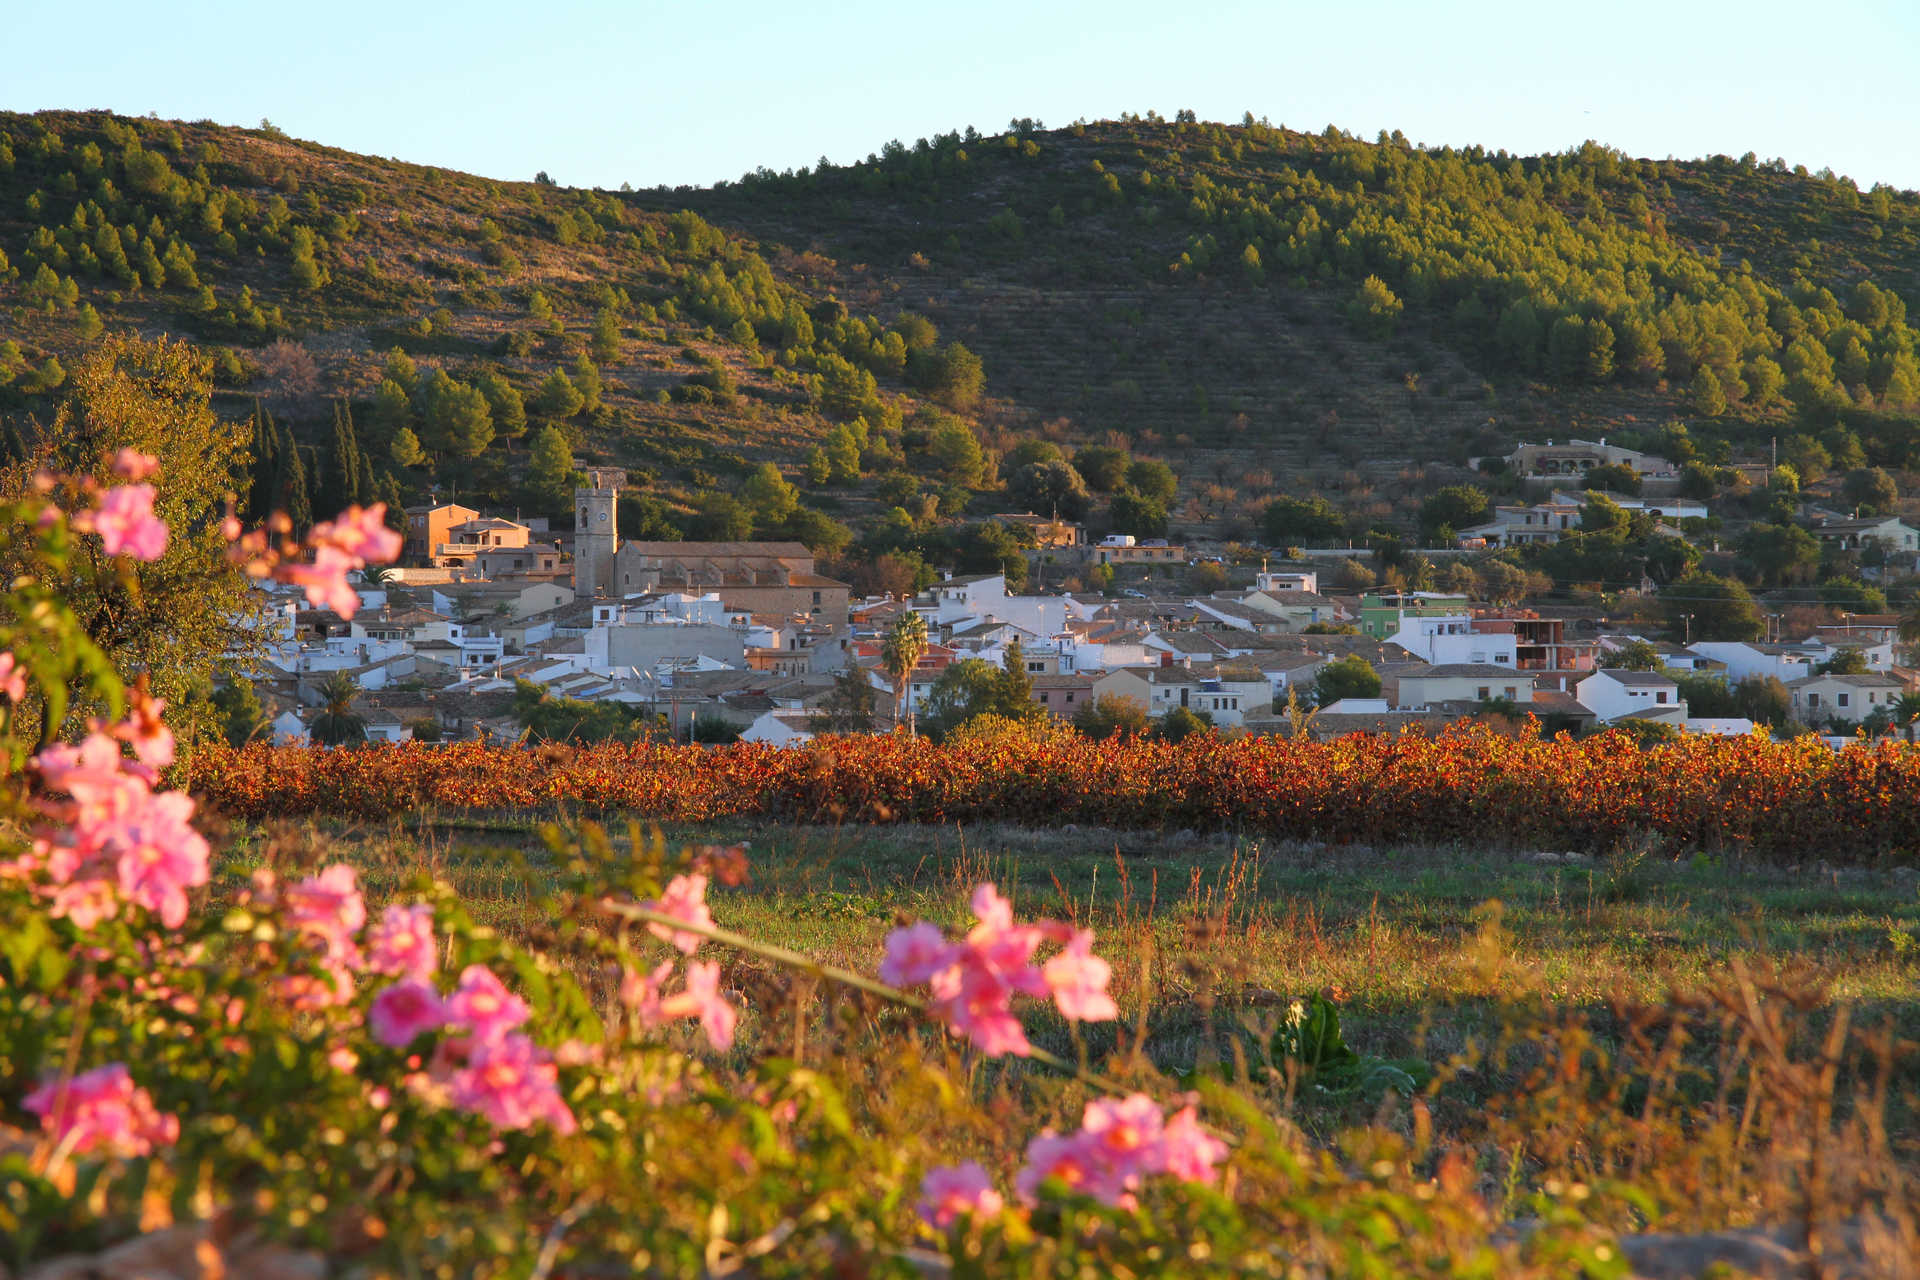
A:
(1687, 618)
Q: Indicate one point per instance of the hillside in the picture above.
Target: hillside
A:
(1267, 311)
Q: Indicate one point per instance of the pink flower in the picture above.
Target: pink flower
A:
(685, 899)
(1049, 1155)
(641, 993)
(914, 955)
(360, 532)
(93, 773)
(975, 1000)
(702, 999)
(1191, 1152)
(1078, 979)
(131, 464)
(115, 833)
(325, 580)
(1122, 1141)
(484, 1007)
(328, 909)
(1127, 1131)
(145, 731)
(952, 1190)
(13, 678)
(404, 1012)
(513, 1084)
(85, 902)
(402, 943)
(161, 857)
(102, 1109)
(125, 521)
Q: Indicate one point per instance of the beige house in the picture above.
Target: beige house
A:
(1818, 699)
(1425, 685)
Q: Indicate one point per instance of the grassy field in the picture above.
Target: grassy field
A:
(1429, 953)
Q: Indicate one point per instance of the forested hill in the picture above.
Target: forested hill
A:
(1268, 311)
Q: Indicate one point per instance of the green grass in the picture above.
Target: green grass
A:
(1203, 934)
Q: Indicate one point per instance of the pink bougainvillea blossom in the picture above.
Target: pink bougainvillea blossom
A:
(1078, 980)
(404, 1012)
(914, 954)
(161, 856)
(360, 532)
(702, 999)
(144, 730)
(124, 519)
(324, 913)
(402, 944)
(1121, 1142)
(640, 992)
(948, 1192)
(103, 1111)
(131, 464)
(351, 541)
(685, 899)
(113, 838)
(325, 580)
(13, 678)
(1191, 1152)
(973, 982)
(513, 1084)
(483, 1007)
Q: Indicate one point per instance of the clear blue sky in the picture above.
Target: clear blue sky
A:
(599, 92)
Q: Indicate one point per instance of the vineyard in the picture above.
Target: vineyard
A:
(1789, 802)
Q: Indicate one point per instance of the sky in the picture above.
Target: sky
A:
(599, 92)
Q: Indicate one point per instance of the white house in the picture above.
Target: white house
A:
(1451, 641)
(1612, 694)
(1668, 508)
(780, 728)
(1784, 662)
(289, 730)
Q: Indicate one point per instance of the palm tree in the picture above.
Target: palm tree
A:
(337, 724)
(376, 575)
(1906, 710)
(900, 652)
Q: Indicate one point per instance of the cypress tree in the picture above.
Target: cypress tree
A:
(264, 471)
(340, 484)
(13, 446)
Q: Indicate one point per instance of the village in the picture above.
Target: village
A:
(725, 641)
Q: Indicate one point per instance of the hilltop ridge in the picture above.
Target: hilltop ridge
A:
(1267, 310)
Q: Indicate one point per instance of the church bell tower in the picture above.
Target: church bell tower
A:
(596, 512)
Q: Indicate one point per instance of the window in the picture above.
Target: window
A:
(816, 599)
(1036, 666)
(1660, 696)
(1482, 693)
(1813, 699)
(1840, 699)
(1510, 693)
